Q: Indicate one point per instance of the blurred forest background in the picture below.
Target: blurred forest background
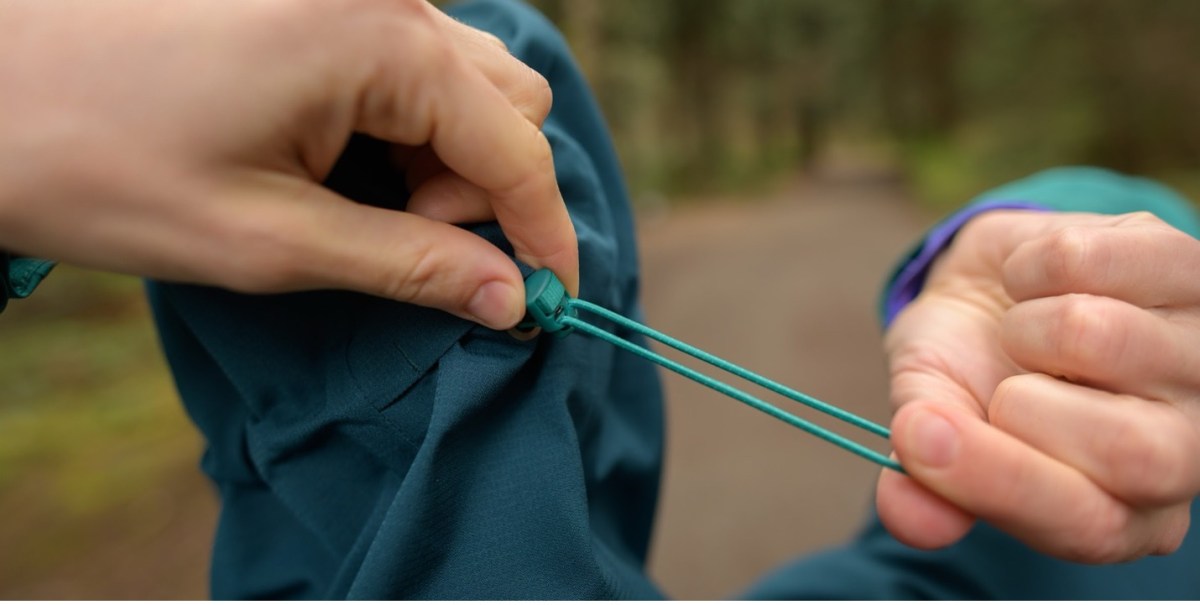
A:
(729, 99)
(954, 96)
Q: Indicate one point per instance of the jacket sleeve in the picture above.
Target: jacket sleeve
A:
(1071, 189)
(366, 448)
(20, 275)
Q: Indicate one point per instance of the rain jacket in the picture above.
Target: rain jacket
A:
(366, 448)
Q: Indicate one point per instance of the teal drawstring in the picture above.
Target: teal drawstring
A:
(551, 309)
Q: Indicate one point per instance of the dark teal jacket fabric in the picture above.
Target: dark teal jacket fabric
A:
(371, 449)
(20, 275)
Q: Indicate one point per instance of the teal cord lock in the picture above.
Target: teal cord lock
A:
(554, 311)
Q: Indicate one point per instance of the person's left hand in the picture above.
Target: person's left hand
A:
(1047, 380)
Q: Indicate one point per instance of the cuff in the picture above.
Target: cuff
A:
(909, 277)
(20, 275)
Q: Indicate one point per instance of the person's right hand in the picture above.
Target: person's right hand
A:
(187, 140)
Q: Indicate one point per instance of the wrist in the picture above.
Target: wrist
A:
(910, 276)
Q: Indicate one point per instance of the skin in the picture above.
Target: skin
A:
(187, 140)
(1047, 381)
(1043, 380)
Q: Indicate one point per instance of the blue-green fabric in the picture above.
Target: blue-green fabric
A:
(987, 564)
(1086, 189)
(20, 275)
(371, 449)
(1066, 189)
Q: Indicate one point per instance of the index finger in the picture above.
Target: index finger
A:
(1043, 502)
(1136, 258)
(426, 92)
(524, 87)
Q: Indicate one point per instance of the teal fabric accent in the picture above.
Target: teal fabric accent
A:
(1071, 189)
(1086, 189)
(20, 276)
(985, 565)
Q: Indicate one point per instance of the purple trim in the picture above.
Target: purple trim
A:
(910, 278)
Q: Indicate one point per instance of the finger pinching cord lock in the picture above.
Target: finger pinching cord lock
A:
(554, 311)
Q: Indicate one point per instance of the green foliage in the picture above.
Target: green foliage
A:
(720, 94)
(89, 418)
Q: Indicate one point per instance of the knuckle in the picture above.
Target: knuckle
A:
(1103, 536)
(1132, 454)
(1141, 217)
(1148, 464)
(405, 98)
(412, 25)
(543, 157)
(494, 40)
(537, 97)
(537, 170)
(1087, 333)
(1003, 409)
(911, 366)
(1070, 257)
(411, 281)
(987, 226)
(1176, 531)
(438, 57)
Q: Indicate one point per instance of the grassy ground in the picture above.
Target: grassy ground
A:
(91, 436)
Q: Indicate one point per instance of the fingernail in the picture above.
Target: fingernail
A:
(933, 439)
(496, 305)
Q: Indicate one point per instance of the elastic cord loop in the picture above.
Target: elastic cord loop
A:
(554, 311)
(736, 370)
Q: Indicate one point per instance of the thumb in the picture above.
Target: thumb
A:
(914, 514)
(320, 240)
(922, 373)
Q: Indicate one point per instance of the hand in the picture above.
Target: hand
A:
(186, 141)
(1047, 380)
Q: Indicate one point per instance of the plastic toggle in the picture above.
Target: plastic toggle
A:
(546, 303)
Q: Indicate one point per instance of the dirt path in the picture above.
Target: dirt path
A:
(787, 288)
